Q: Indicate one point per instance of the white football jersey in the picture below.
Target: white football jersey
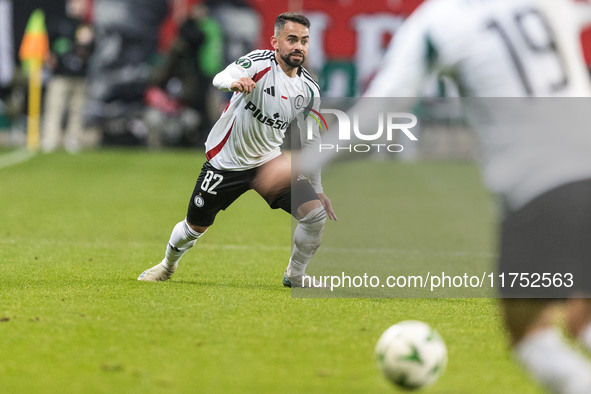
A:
(501, 51)
(252, 128)
(491, 48)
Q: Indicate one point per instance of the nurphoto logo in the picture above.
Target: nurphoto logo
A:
(390, 126)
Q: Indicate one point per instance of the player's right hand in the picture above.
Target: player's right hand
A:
(244, 85)
(328, 206)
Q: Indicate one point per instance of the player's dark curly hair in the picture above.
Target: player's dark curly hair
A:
(291, 17)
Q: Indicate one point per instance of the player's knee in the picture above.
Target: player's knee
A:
(308, 234)
(196, 228)
(577, 316)
(314, 221)
(523, 316)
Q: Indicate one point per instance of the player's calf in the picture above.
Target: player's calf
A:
(307, 239)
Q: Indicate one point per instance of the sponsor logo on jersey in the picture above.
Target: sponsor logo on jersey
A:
(272, 121)
(244, 62)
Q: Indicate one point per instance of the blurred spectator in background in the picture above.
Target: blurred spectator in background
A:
(71, 43)
(6, 47)
(127, 34)
(6, 57)
(183, 83)
(241, 26)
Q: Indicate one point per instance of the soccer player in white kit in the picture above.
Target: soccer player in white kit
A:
(509, 49)
(271, 89)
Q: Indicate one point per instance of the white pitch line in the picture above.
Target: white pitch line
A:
(279, 248)
(14, 158)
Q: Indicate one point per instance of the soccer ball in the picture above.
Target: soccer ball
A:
(411, 354)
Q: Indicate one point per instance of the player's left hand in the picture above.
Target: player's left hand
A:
(327, 206)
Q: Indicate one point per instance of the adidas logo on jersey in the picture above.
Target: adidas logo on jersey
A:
(270, 91)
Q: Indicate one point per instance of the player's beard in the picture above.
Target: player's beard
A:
(294, 63)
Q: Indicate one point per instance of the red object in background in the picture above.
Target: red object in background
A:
(159, 99)
(178, 11)
(167, 33)
(340, 36)
(586, 42)
(89, 13)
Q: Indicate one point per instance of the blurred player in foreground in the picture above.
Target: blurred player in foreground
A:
(272, 89)
(542, 174)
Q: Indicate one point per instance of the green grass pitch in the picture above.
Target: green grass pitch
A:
(76, 231)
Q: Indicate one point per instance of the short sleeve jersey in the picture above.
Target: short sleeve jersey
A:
(252, 128)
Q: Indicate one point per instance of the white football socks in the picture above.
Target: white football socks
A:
(552, 362)
(183, 238)
(307, 238)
